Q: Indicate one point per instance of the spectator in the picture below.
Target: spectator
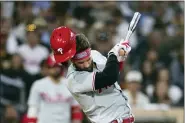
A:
(11, 41)
(42, 27)
(40, 7)
(147, 20)
(22, 17)
(149, 76)
(177, 69)
(4, 56)
(16, 71)
(43, 71)
(135, 97)
(103, 36)
(163, 75)
(7, 9)
(160, 94)
(32, 53)
(177, 75)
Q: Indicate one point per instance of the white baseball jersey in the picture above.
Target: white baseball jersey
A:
(53, 100)
(100, 106)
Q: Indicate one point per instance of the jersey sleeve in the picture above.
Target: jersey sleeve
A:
(81, 82)
(34, 97)
(74, 102)
(98, 57)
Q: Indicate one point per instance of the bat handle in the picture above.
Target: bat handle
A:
(129, 33)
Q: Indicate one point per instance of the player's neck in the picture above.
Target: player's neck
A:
(55, 80)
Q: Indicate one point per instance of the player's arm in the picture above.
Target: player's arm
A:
(31, 116)
(111, 71)
(33, 103)
(83, 81)
(109, 75)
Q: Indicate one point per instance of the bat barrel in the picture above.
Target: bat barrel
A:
(134, 21)
(132, 26)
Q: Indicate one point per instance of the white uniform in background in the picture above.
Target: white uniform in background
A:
(52, 100)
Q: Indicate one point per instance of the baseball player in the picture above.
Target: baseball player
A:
(50, 101)
(92, 79)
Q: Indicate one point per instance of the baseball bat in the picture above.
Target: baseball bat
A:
(131, 29)
(132, 26)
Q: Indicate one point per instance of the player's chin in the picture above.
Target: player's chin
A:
(56, 75)
(89, 69)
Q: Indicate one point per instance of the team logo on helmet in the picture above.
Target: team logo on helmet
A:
(60, 50)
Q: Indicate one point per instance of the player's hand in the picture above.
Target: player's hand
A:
(124, 51)
(121, 50)
(115, 50)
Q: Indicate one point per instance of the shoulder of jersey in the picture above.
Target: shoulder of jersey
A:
(41, 81)
(98, 57)
(70, 70)
(63, 80)
(42, 47)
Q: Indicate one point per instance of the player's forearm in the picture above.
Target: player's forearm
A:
(109, 75)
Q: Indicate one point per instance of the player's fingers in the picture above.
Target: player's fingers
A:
(122, 52)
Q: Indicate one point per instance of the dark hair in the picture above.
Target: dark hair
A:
(82, 43)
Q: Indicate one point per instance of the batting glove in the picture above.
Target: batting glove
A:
(127, 48)
(115, 50)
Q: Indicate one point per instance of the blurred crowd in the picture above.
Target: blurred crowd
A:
(152, 74)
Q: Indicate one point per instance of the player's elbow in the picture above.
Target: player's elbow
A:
(111, 79)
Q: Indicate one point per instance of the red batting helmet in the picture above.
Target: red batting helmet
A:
(63, 43)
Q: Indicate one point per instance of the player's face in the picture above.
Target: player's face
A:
(134, 86)
(84, 65)
(55, 71)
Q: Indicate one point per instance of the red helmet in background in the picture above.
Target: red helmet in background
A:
(50, 61)
(63, 44)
